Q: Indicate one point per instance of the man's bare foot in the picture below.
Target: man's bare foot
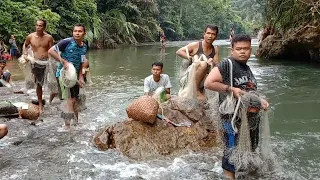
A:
(40, 108)
(52, 96)
(67, 123)
(75, 122)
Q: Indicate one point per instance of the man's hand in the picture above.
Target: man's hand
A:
(81, 82)
(210, 61)
(237, 92)
(264, 104)
(65, 64)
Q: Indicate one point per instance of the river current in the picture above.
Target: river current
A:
(46, 152)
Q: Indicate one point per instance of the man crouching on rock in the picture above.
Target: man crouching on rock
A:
(40, 42)
(243, 81)
(198, 48)
(156, 80)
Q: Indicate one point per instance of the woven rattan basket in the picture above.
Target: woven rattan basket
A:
(32, 113)
(144, 109)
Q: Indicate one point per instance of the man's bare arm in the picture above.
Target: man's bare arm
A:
(27, 42)
(182, 51)
(216, 56)
(51, 41)
(214, 81)
(52, 52)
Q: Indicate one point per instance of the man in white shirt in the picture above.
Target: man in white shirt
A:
(157, 79)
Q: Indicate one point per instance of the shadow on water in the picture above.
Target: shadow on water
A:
(45, 151)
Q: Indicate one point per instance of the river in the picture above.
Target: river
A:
(46, 152)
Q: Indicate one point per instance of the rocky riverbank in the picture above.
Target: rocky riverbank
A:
(297, 43)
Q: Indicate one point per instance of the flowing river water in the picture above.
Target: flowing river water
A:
(46, 152)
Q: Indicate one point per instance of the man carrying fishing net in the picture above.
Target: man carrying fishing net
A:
(40, 42)
(71, 54)
(239, 107)
(210, 53)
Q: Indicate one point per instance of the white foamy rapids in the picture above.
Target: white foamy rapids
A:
(190, 166)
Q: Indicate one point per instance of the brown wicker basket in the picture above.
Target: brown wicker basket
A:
(144, 109)
(31, 113)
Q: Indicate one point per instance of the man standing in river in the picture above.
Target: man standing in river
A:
(202, 47)
(73, 50)
(13, 47)
(243, 81)
(40, 42)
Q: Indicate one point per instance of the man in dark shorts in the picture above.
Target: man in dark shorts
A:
(40, 43)
(202, 47)
(13, 47)
(73, 51)
(243, 81)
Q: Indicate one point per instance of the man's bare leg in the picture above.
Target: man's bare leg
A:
(39, 95)
(52, 95)
(229, 175)
(201, 73)
(75, 110)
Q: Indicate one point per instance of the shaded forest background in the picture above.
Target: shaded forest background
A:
(110, 23)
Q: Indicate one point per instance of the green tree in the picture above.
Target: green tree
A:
(19, 17)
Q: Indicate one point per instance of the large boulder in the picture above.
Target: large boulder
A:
(139, 140)
(297, 43)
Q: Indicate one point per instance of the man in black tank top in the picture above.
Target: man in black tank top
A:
(198, 48)
(243, 81)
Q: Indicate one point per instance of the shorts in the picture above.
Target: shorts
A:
(73, 92)
(39, 73)
(231, 139)
(13, 52)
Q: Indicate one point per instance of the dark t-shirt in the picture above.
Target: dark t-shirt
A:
(243, 77)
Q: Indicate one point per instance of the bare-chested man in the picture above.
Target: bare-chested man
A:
(40, 42)
(202, 47)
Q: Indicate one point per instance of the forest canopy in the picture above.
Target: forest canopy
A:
(113, 22)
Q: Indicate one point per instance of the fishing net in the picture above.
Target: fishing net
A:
(81, 100)
(86, 72)
(68, 76)
(144, 109)
(251, 130)
(244, 156)
(51, 76)
(25, 66)
(229, 103)
(188, 86)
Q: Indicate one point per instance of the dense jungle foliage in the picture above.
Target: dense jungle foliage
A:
(113, 22)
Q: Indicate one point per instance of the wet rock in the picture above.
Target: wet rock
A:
(192, 110)
(298, 43)
(7, 109)
(140, 140)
